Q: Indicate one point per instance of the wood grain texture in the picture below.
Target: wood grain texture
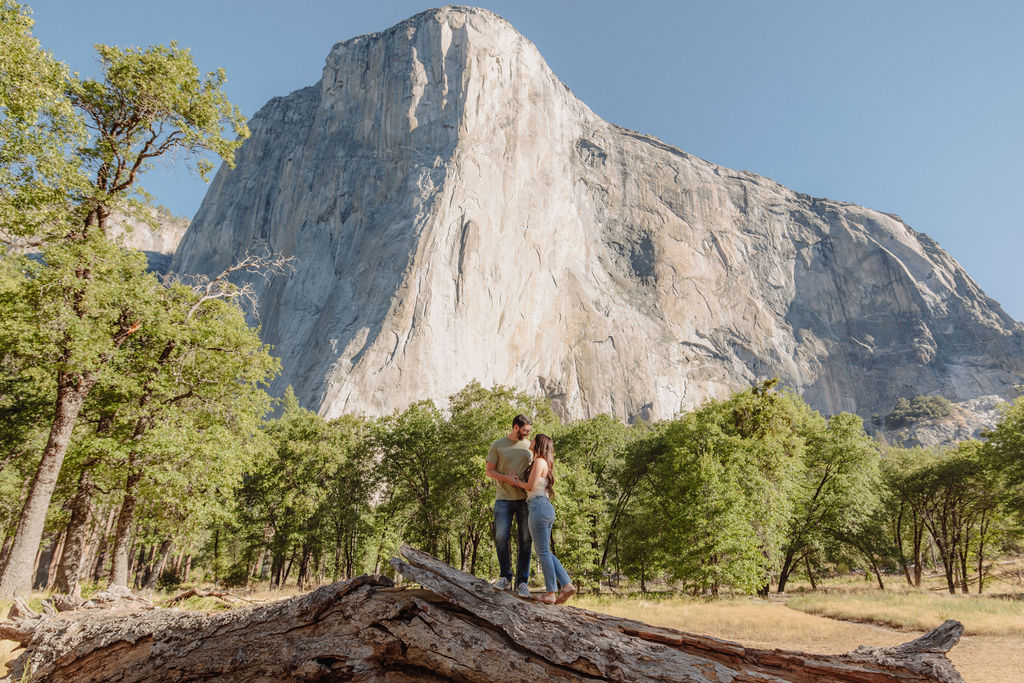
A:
(453, 626)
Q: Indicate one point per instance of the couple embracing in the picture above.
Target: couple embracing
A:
(523, 472)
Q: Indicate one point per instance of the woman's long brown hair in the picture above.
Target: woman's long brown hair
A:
(544, 447)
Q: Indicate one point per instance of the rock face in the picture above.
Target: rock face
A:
(458, 214)
(969, 419)
(158, 241)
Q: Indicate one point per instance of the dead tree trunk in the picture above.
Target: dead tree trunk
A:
(454, 627)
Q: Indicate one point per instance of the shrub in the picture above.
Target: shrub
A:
(168, 580)
(237, 576)
(920, 408)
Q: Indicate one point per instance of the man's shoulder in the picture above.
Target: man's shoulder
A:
(503, 442)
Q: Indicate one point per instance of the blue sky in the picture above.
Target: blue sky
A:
(914, 108)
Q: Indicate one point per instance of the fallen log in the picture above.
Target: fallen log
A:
(224, 596)
(453, 627)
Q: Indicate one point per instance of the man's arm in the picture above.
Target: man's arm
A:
(494, 474)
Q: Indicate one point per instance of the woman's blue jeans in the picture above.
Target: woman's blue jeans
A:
(542, 518)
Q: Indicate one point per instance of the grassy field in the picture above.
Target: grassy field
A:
(995, 657)
(919, 611)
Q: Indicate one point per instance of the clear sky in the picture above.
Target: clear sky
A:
(911, 107)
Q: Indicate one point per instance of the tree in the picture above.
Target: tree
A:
(952, 497)
(838, 490)
(38, 125)
(918, 409)
(589, 452)
(1005, 450)
(89, 294)
(421, 475)
(903, 500)
(195, 395)
(724, 482)
(308, 490)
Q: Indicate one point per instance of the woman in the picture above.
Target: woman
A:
(539, 491)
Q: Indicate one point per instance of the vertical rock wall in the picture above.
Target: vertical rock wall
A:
(458, 214)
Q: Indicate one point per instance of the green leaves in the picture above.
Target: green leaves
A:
(39, 130)
(151, 101)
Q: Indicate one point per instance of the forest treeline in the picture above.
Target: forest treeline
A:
(139, 445)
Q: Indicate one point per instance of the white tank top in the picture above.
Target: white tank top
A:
(540, 489)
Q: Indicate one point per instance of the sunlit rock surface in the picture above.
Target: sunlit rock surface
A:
(458, 214)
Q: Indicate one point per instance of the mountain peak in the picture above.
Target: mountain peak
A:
(457, 214)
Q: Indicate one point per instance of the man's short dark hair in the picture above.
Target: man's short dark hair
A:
(521, 420)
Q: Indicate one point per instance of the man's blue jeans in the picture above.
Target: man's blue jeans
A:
(504, 512)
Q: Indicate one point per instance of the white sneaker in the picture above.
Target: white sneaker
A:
(523, 591)
(503, 584)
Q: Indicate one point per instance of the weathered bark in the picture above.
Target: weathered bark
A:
(6, 549)
(455, 627)
(58, 555)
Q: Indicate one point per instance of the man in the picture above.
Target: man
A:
(507, 460)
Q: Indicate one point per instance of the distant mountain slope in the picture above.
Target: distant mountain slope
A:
(458, 213)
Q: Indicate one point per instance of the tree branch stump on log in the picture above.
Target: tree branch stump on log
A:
(455, 627)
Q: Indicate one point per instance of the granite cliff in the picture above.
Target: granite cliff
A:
(457, 214)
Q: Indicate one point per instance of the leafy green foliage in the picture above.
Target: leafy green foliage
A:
(837, 494)
(38, 127)
(918, 409)
(71, 152)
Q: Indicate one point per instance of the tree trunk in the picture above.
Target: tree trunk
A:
(456, 627)
(982, 532)
(72, 389)
(178, 559)
(161, 561)
(41, 571)
(810, 574)
(58, 556)
(257, 566)
(119, 570)
(788, 564)
(137, 566)
(918, 541)
(878, 574)
(6, 549)
(304, 565)
(103, 545)
(69, 569)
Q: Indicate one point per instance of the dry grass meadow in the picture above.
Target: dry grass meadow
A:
(991, 652)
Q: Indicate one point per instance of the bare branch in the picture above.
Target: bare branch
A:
(221, 287)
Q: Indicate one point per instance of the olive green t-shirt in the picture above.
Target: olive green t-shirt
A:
(509, 456)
